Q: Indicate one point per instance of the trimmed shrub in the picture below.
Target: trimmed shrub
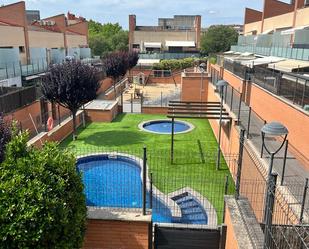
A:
(42, 200)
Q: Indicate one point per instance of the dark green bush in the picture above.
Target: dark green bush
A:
(41, 196)
(174, 64)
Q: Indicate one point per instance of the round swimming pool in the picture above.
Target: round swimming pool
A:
(164, 126)
(115, 181)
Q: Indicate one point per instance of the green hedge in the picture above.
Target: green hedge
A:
(174, 64)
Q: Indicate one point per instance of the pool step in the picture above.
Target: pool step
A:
(192, 212)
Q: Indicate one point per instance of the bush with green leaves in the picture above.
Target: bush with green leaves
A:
(174, 64)
(5, 135)
(41, 196)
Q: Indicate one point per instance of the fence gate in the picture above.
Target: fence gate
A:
(131, 104)
(185, 238)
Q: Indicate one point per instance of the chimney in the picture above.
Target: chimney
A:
(132, 26)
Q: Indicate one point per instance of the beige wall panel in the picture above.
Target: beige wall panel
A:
(252, 26)
(75, 41)
(11, 36)
(302, 17)
(281, 21)
(45, 39)
(162, 36)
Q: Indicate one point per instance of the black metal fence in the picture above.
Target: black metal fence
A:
(17, 97)
(291, 86)
(185, 192)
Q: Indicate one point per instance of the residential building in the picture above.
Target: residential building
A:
(276, 16)
(179, 34)
(31, 43)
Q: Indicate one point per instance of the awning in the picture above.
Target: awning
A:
(289, 65)
(147, 61)
(180, 43)
(152, 44)
(268, 31)
(292, 31)
(261, 61)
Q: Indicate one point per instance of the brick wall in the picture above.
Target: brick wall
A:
(154, 110)
(22, 116)
(191, 88)
(272, 108)
(252, 15)
(102, 115)
(104, 234)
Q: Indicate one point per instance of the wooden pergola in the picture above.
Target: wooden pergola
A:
(195, 109)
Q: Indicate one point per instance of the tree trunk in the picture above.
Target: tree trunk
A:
(74, 125)
(114, 83)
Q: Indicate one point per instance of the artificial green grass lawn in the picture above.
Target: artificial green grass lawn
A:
(194, 154)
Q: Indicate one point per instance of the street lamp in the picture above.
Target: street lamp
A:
(273, 129)
(202, 68)
(220, 84)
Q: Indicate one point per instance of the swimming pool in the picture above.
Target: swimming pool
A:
(115, 181)
(164, 126)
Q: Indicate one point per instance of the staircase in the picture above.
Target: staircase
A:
(192, 211)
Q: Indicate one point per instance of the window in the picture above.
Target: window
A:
(135, 45)
(21, 49)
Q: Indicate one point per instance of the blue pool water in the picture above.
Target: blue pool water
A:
(165, 126)
(116, 182)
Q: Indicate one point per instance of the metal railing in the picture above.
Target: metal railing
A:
(291, 86)
(167, 55)
(16, 97)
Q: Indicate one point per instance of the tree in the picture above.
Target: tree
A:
(5, 136)
(106, 38)
(99, 45)
(42, 199)
(218, 39)
(116, 65)
(132, 59)
(71, 85)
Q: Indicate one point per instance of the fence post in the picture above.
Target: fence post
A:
(249, 122)
(151, 192)
(131, 102)
(303, 202)
(226, 186)
(161, 100)
(269, 209)
(172, 142)
(59, 117)
(239, 108)
(144, 179)
(121, 102)
(223, 236)
(232, 95)
(284, 161)
(239, 162)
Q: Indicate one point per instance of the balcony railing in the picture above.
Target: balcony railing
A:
(293, 87)
(167, 56)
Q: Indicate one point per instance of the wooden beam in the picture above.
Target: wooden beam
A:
(195, 105)
(194, 102)
(198, 117)
(198, 113)
(196, 108)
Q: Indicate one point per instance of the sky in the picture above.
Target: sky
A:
(147, 11)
